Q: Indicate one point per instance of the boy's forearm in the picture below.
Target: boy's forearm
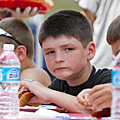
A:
(46, 95)
(63, 100)
(66, 101)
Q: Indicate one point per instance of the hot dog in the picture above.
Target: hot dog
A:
(24, 97)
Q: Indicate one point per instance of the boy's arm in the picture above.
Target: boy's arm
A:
(68, 102)
(46, 95)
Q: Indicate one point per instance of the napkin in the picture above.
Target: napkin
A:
(43, 114)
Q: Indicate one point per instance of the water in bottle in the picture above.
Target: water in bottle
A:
(9, 82)
(115, 109)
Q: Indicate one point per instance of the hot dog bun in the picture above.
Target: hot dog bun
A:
(24, 97)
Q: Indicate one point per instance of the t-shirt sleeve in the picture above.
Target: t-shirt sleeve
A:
(91, 5)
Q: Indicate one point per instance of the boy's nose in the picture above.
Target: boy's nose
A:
(59, 58)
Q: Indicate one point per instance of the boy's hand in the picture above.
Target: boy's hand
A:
(83, 100)
(37, 89)
(21, 14)
(82, 97)
(83, 109)
(100, 96)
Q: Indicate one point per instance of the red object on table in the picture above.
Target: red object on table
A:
(42, 6)
(104, 113)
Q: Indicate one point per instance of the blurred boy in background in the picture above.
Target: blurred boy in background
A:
(17, 32)
(101, 13)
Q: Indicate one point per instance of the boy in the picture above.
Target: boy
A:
(97, 98)
(66, 40)
(21, 36)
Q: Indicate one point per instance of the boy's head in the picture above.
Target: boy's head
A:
(113, 35)
(68, 23)
(21, 35)
(66, 40)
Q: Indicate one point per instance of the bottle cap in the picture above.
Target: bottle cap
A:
(8, 47)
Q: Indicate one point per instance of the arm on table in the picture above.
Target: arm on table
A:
(46, 95)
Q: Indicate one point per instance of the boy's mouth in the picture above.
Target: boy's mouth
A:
(61, 68)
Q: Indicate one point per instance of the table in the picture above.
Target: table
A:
(45, 113)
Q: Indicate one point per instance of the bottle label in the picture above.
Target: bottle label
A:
(9, 74)
(116, 78)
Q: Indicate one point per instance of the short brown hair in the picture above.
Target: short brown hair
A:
(20, 31)
(113, 33)
(68, 23)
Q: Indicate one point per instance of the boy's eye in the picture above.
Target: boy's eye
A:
(68, 49)
(50, 52)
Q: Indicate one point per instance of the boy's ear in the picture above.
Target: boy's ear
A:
(91, 50)
(21, 52)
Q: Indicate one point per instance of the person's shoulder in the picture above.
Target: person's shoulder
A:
(102, 71)
(105, 70)
(104, 75)
(37, 74)
(100, 76)
(35, 70)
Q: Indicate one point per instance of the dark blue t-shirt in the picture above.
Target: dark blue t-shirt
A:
(102, 76)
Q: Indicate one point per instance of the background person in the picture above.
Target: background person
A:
(23, 40)
(101, 13)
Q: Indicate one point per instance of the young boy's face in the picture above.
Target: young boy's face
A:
(65, 57)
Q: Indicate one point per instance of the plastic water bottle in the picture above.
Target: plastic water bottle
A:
(9, 83)
(115, 109)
